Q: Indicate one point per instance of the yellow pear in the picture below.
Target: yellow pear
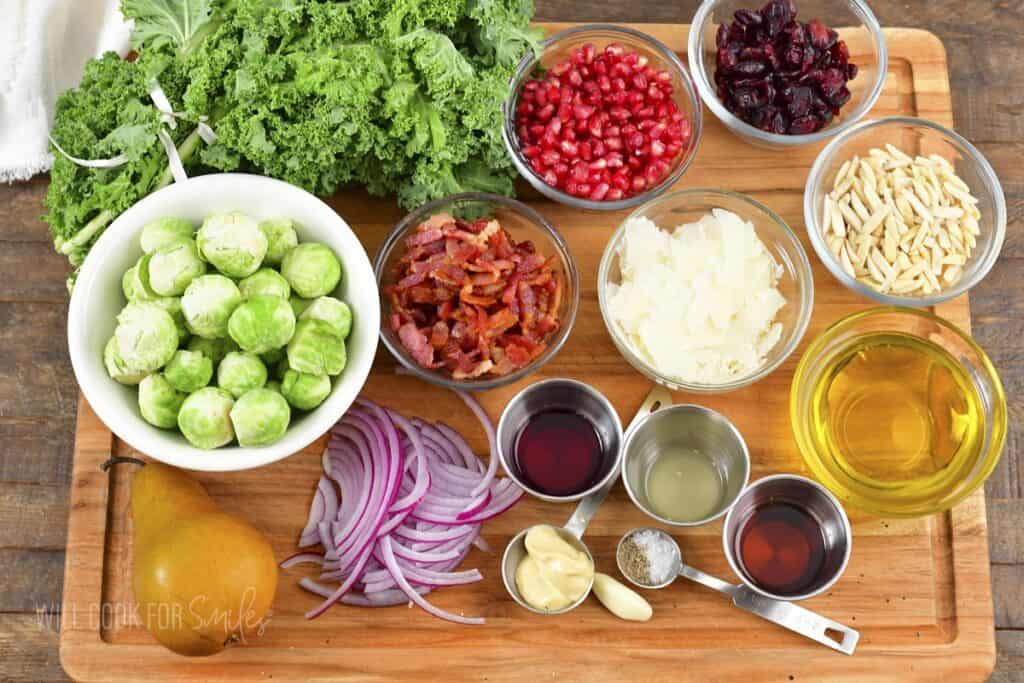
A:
(203, 579)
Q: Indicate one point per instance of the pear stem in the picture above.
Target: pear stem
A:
(120, 459)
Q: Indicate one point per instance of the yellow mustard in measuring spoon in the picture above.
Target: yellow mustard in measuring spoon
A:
(553, 575)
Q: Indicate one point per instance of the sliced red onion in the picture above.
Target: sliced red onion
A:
(396, 572)
(302, 558)
(413, 498)
(422, 476)
(492, 440)
(382, 599)
(411, 555)
(310, 535)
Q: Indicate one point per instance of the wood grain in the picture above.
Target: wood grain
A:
(929, 613)
(986, 69)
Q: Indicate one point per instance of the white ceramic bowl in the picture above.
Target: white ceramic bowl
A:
(97, 299)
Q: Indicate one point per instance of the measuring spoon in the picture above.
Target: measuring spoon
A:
(793, 617)
(572, 532)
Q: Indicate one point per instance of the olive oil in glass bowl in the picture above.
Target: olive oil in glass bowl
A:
(898, 412)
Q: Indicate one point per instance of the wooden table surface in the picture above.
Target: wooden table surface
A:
(38, 393)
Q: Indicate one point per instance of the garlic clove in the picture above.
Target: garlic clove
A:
(621, 600)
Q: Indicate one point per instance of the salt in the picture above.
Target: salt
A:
(649, 558)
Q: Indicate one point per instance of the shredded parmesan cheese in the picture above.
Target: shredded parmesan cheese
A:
(698, 304)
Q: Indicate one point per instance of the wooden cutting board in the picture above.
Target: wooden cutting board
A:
(918, 590)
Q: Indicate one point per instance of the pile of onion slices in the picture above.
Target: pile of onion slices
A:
(414, 497)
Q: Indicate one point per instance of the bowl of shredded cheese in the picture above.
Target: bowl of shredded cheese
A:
(705, 290)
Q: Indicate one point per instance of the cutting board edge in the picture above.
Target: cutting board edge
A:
(88, 515)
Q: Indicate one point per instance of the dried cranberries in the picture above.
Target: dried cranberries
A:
(601, 125)
(781, 75)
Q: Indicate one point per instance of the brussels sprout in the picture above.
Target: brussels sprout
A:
(233, 243)
(241, 372)
(164, 232)
(130, 285)
(262, 323)
(265, 281)
(135, 281)
(214, 349)
(205, 418)
(312, 270)
(146, 336)
(188, 371)
(116, 367)
(172, 268)
(281, 238)
(316, 349)
(260, 417)
(159, 402)
(335, 313)
(273, 385)
(299, 305)
(208, 304)
(304, 391)
(172, 305)
(272, 357)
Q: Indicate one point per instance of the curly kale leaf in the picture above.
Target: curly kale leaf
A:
(180, 23)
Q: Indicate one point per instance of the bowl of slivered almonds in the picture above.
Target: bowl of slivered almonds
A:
(905, 211)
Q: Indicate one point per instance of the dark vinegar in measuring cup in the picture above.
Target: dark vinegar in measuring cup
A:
(559, 453)
(782, 548)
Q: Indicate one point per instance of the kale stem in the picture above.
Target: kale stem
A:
(185, 151)
(87, 232)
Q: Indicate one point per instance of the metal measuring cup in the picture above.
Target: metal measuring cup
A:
(690, 426)
(786, 614)
(572, 532)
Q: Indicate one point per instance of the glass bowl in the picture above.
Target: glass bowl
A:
(913, 136)
(558, 47)
(523, 223)
(687, 206)
(910, 496)
(852, 19)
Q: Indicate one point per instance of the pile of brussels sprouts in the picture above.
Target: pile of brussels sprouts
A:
(229, 328)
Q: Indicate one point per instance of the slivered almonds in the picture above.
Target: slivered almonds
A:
(899, 223)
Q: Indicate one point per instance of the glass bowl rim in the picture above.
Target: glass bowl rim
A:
(815, 233)
(999, 417)
(531, 59)
(710, 97)
(801, 264)
(533, 216)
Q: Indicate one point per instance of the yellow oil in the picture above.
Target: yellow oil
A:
(895, 416)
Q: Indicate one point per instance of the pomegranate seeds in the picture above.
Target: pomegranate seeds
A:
(602, 124)
(781, 75)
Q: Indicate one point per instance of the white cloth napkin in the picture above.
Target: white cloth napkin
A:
(43, 46)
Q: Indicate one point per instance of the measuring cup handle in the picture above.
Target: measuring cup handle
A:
(587, 508)
(657, 398)
(705, 579)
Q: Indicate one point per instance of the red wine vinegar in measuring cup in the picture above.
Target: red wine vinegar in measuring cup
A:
(782, 547)
(559, 453)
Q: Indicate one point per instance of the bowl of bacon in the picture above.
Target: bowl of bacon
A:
(478, 291)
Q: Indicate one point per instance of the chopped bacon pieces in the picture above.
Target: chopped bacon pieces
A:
(471, 300)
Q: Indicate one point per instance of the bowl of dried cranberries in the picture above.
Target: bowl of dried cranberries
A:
(603, 118)
(788, 72)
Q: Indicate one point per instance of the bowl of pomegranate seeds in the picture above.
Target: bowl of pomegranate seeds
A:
(477, 291)
(605, 118)
(787, 73)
